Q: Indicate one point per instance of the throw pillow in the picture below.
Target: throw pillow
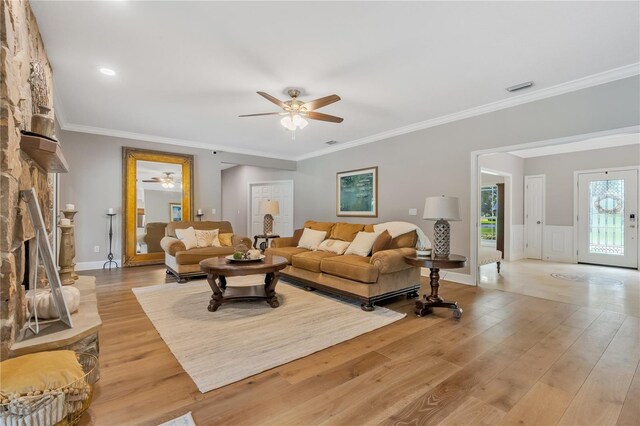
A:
(296, 236)
(207, 238)
(226, 239)
(382, 242)
(334, 246)
(362, 244)
(311, 239)
(345, 231)
(39, 371)
(188, 237)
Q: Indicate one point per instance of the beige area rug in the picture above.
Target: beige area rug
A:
(241, 339)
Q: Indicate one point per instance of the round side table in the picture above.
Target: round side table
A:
(435, 264)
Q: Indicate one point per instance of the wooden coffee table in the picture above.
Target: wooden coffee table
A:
(219, 268)
(434, 264)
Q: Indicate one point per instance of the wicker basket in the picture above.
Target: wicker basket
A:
(62, 406)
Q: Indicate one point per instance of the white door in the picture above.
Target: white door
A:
(533, 215)
(607, 218)
(282, 192)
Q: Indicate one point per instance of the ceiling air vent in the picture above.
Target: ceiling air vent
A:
(331, 142)
(520, 86)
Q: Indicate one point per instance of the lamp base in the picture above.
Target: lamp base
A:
(268, 224)
(441, 233)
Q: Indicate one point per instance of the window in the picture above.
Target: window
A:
(488, 213)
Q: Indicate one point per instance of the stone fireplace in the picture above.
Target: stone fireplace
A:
(22, 47)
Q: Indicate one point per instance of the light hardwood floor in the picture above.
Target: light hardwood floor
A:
(512, 359)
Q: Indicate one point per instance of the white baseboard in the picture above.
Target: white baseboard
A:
(456, 277)
(517, 244)
(558, 243)
(88, 266)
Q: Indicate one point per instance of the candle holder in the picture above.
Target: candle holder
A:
(70, 214)
(110, 255)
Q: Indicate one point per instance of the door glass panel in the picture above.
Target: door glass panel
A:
(606, 217)
(488, 214)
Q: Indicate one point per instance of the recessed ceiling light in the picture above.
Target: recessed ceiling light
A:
(107, 71)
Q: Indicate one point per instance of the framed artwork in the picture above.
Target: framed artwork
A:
(357, 193)
(175, 212)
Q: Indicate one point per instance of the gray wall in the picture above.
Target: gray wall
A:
(514, 165)
(437, 160)
(411, 167)
(94, 183)
(156, 204)
(559, 169)
(235, 191)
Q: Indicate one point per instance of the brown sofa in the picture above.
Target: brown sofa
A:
(183, 263)
(154, 232)
(368, 279)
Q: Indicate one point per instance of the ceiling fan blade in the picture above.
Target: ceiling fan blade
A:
(262, 113)
(151, 180)
(272, 99)
(321, 102)
(323, 117)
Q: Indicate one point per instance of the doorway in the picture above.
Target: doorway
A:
(607, 217)
(281, 191)
(534, 188)
(495, 210)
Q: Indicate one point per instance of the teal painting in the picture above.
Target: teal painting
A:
(357, 193)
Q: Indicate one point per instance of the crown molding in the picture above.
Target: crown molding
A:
(559, 89)
(532, 96)
(167, 141)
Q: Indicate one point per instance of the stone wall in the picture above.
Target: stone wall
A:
(21, 45)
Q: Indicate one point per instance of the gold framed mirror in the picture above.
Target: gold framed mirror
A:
(157, 189)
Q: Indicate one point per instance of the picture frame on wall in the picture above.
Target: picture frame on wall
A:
(357, 193)
(175, 212)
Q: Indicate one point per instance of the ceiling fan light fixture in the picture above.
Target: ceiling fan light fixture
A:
(293, 122)
(287, 123)
(299, 122)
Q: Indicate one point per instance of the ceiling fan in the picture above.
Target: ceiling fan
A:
(167, 180)
(295, 111)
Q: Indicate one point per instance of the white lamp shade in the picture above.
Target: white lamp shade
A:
(270, 207)
(447, 208)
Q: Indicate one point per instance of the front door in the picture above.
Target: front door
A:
(533, 215)
(607, 218)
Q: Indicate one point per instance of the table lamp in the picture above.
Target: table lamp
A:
(269, 208)
(441, 209)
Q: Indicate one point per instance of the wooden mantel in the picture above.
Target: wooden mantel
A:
(46, 153)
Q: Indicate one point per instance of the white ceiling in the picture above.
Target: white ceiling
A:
(186, 70)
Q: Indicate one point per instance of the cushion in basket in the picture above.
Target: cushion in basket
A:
(345, 231)
(38, 372)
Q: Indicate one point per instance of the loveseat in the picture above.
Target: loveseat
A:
(369, 279)
(183, 263)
